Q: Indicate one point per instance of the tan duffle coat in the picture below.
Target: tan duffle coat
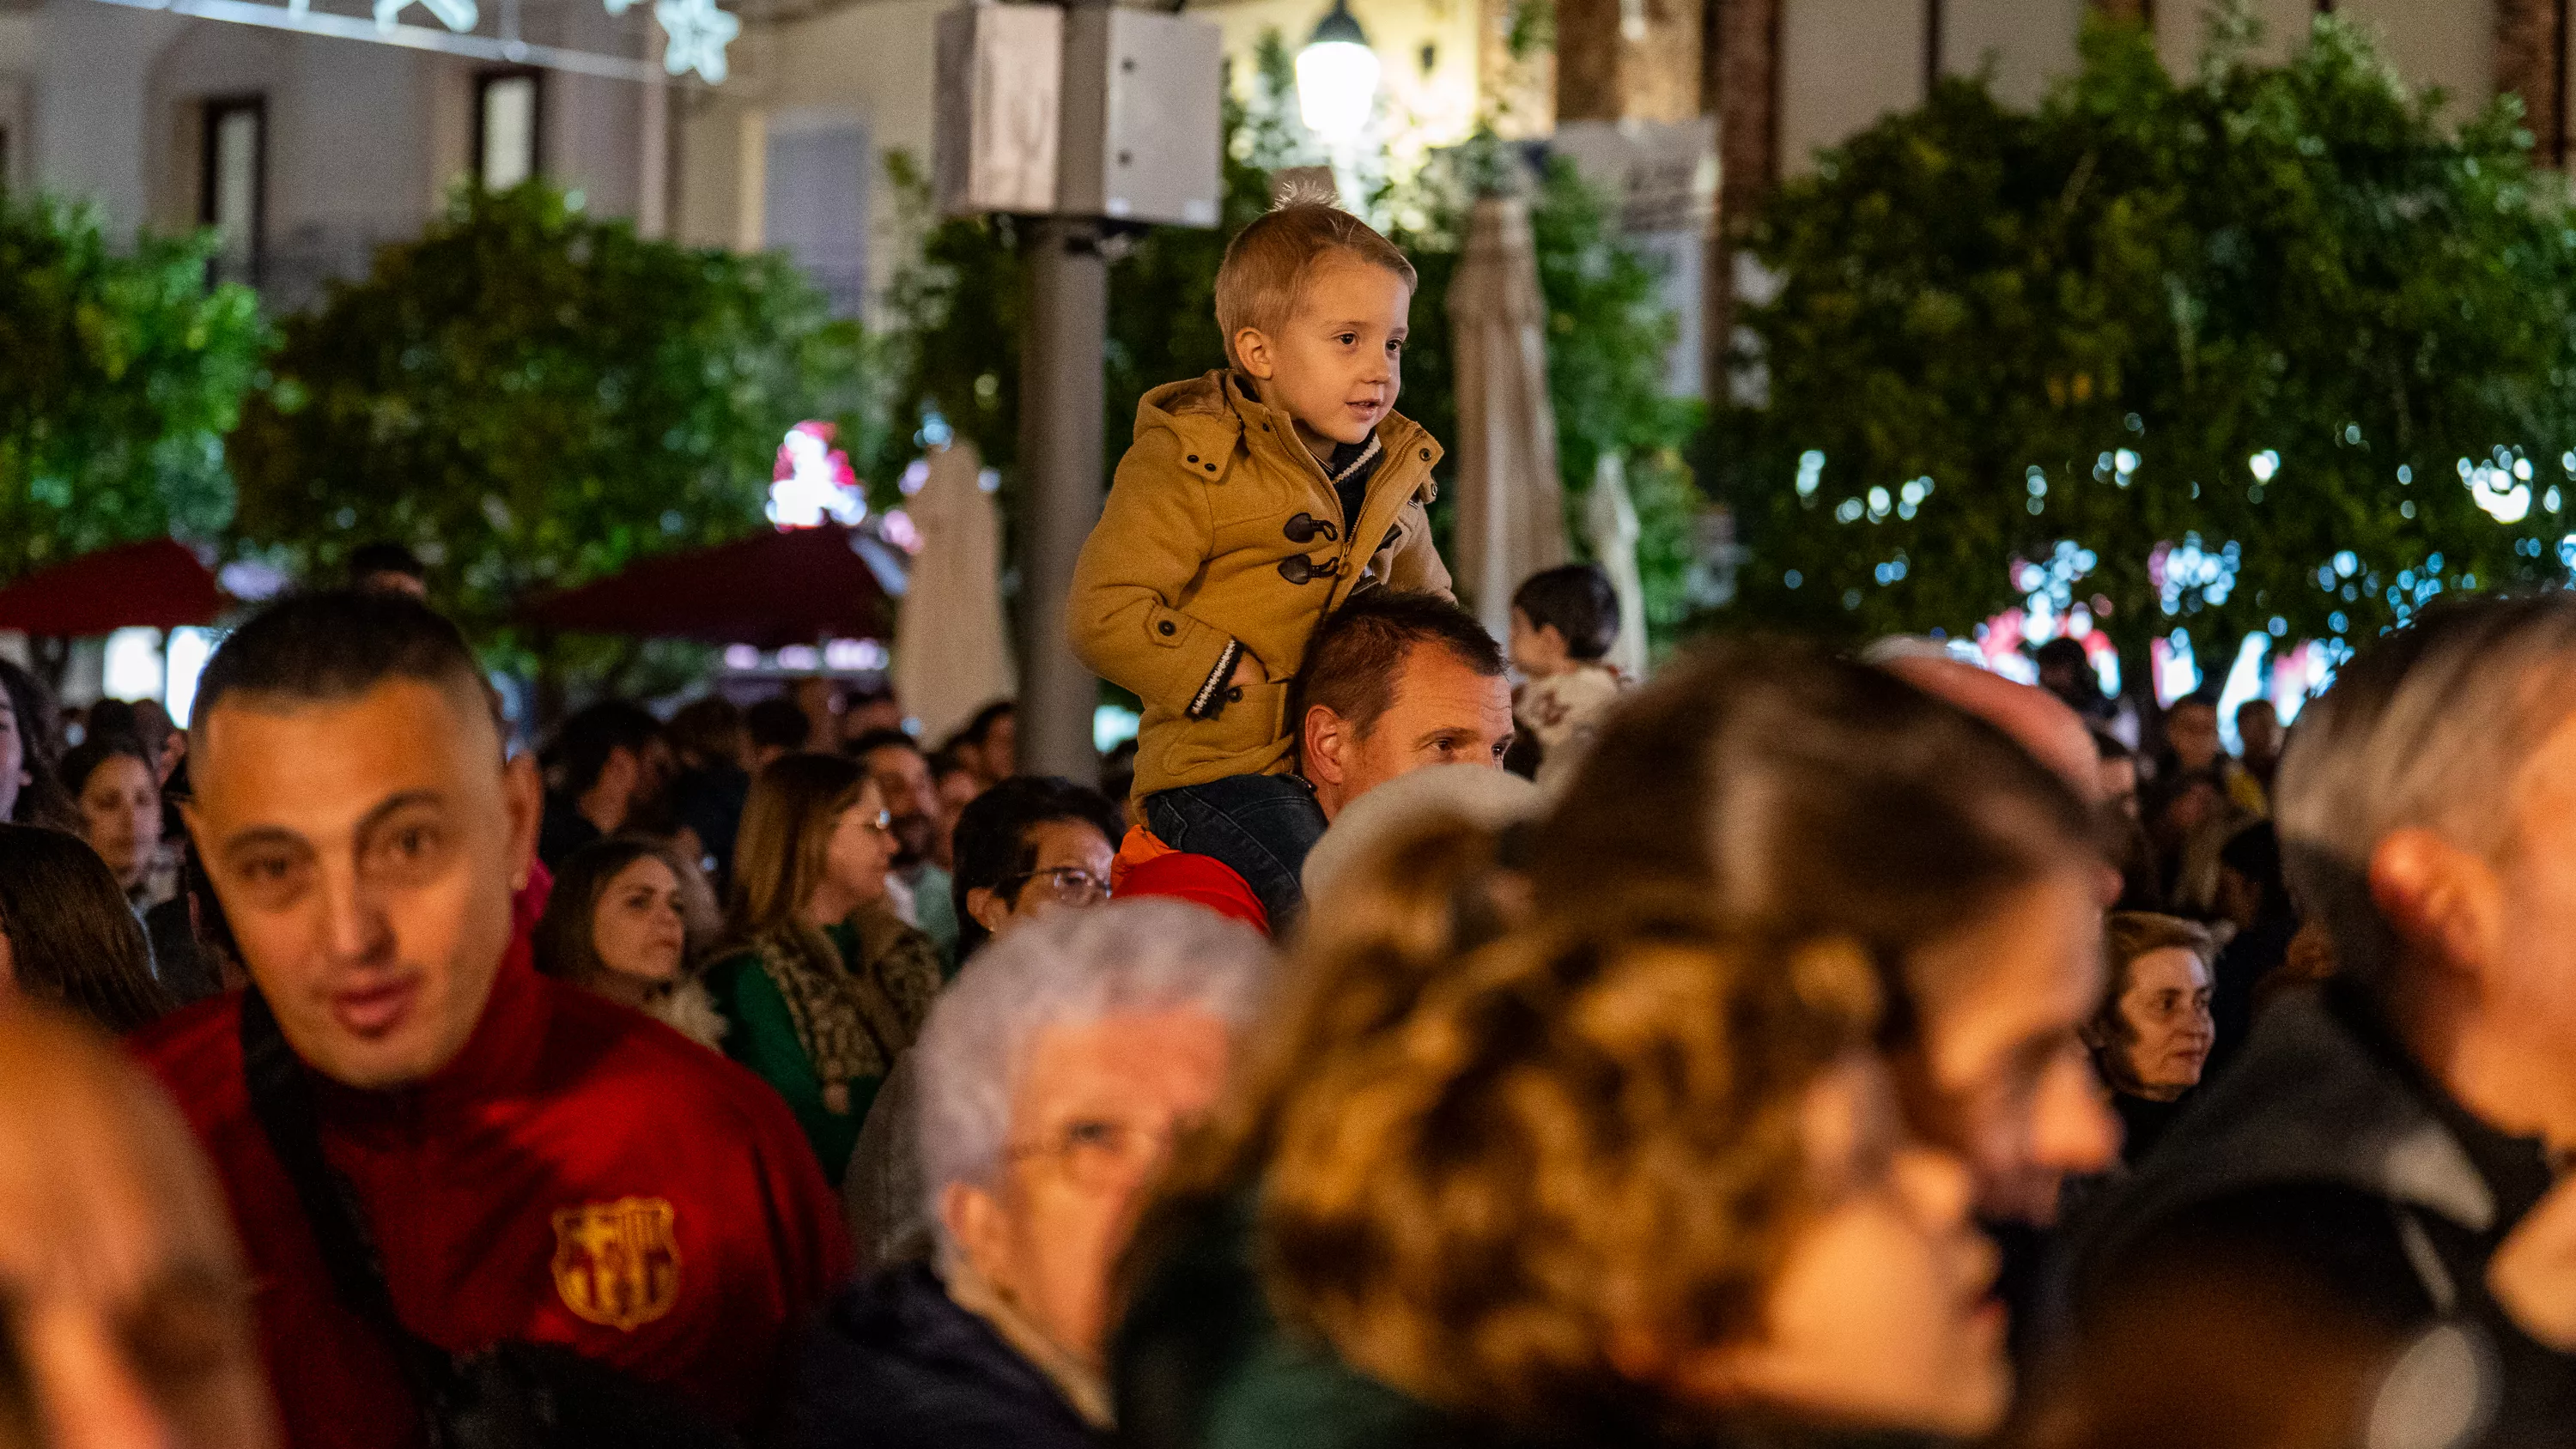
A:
(1194, 560)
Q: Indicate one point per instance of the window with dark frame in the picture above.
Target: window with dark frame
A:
(509, 114)
(232, 190)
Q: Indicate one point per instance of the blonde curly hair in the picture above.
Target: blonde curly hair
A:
(1584, 1136)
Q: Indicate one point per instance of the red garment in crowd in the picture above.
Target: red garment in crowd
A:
(579, 1175)
(1145, 866)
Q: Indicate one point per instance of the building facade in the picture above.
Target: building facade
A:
(307, 150)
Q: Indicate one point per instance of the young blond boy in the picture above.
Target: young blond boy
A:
(1253, 502)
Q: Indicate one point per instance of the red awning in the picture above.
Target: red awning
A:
(769, 590)
(153, 585)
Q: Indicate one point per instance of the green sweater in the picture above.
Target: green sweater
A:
(1199, 1362)
(763, 1038)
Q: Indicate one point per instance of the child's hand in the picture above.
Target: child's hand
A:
(1247, 670)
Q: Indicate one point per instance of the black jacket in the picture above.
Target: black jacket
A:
(896, 1364)
(2328, 1170)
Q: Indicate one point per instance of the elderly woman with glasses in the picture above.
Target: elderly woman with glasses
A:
(823, 986)
(1026, 847)
(1052, 1079)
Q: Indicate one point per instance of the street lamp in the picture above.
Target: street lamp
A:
(1337, 78)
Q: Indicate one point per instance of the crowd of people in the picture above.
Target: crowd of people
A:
(1439, 1040)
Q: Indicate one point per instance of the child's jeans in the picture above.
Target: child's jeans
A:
(1261, 825)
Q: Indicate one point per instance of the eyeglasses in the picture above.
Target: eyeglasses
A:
(1065, 885)
(1098, 1154)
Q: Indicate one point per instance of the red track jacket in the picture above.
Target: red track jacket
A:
(578, 1175)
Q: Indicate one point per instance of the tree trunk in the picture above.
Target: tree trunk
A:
(2531, 62)
(1740, 85)
(1628, 60)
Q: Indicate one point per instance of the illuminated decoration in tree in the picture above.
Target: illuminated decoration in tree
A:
(698, 33)
(1337, 77)
(2501, 487)
(814, 480)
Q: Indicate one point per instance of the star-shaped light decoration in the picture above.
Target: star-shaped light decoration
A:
(698, 34)
(456, 15)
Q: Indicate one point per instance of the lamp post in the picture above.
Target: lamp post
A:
(1337, 77)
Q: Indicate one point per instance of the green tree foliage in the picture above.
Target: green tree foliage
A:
(2238, 351)
(533, 398)
(959, 316)
(120, 374)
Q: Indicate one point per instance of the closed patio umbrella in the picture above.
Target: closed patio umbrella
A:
(951, 654)
(1511, 505)
(1610, 517)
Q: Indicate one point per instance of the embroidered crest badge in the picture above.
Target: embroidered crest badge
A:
(617, 1264)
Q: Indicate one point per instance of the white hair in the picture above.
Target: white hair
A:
(2428, 729)
(1070, 968)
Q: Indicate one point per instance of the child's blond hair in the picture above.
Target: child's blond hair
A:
(1268, 262)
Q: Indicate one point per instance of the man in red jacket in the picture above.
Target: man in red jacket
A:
(532, 1162)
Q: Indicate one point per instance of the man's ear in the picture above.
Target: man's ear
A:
(1252, 353)
(2439, 898)
(985, 904)
(1322, 744)
(523, 801)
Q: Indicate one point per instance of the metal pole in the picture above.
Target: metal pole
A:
(1061, 385)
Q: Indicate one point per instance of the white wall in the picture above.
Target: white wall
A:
(871, 63)
(2182, 31)
(2449, 43)
(1844, 64)
(18, 96)
(2029, 44)
(91, 104)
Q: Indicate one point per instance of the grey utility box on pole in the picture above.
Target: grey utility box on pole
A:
(1087, 111)
(1077, 116)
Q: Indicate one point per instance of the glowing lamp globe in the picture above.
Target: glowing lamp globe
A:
(1337, 78)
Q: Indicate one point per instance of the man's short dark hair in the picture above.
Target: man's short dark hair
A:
(975, 731)
(2198, 699)
(707, 729)
(1356, 654)
(585, 742)
(875, 740)
(1578, 600)
(371, 559)
(336, 644)
(992, 845)
(776, 723)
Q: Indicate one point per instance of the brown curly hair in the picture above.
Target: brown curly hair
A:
(1579, 1136)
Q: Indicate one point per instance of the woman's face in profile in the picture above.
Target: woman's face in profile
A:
(638, 927)
(1882, 1312)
